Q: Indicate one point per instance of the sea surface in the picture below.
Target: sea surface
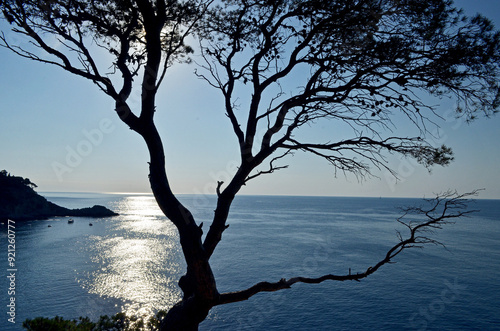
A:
(132, 263)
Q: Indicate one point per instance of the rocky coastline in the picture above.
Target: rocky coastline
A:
(20, 202)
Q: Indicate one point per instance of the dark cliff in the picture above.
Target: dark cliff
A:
(19, 201)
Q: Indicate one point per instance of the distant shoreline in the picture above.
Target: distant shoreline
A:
(53, 193)
(20, 202)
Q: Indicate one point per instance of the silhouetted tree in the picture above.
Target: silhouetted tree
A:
(358, 64)
(6, 176)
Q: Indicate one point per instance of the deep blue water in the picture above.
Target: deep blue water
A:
(132, 263)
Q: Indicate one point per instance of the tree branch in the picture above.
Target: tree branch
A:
(443, 210)
(272, 166)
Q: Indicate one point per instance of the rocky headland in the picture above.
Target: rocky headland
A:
(19, 201)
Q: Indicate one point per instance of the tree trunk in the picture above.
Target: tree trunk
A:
(186, 315)
(198, 285)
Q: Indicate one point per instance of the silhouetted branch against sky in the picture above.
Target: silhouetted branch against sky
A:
(70, 34)
(358, 64)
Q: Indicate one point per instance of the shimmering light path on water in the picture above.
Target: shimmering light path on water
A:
(138, 259)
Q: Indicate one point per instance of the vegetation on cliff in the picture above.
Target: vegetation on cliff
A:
(19, 201)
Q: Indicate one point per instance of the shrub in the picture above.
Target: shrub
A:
(118, 322)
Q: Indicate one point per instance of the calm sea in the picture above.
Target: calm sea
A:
(132, 262)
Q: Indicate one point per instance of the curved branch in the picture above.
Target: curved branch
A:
(444, 208)
(272, 166)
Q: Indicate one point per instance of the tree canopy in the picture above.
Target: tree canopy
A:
(6, 179)
(358, 63)
(280, 66)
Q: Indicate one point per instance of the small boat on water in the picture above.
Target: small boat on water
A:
(70, 221)
(90, 224)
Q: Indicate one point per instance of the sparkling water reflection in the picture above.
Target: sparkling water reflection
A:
(129, 263)
(140, 267)
(133, 271)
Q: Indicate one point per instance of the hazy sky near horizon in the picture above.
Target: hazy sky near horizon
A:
(50, 117)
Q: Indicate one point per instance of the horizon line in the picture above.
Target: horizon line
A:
(275, 195)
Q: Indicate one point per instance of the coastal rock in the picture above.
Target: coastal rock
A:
(19, 201)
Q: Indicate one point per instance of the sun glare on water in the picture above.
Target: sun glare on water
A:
(139, 262)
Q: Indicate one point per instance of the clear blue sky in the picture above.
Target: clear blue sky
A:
(48, 116)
